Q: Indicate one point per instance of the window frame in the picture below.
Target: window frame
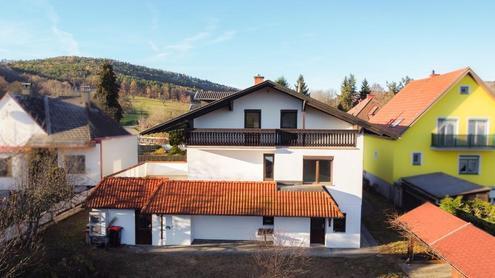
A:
(292, 111)
(9, 169)
(465, 87)
(420, 159)
(246, 111)
(465, 157)
(318, 159)
(68, 169)
(265, 178)
(268, 221)
(344, 221)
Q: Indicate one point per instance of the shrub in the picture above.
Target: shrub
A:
(451, 205)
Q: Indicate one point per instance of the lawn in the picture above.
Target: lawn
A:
(143, 107)
(68, 255)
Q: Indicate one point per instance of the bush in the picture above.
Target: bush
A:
(451, 205)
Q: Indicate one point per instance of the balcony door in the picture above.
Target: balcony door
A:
(478, 132)
(446, 130)
(317, 169)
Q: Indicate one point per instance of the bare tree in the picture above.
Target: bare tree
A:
(39, 187)
(281, 262)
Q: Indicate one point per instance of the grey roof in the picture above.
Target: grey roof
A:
(210, 95)
(67, 123)
(440, 185)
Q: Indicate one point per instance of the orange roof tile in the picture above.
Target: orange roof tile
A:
(239, 198)
(123, 193)
(360, 106)
(467, 248)
(189, 197)
(414, 99)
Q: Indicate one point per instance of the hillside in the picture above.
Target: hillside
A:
(83, 70)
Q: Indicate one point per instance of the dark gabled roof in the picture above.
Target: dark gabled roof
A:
(440, 185)
(67, 123)
(182, 119)
(211, 95)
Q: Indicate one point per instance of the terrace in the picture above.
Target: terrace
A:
(462, 141)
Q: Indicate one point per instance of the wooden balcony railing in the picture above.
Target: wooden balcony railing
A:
(462, 141)
(272, 137)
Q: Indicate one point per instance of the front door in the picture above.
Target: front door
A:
(143, 228)
(317, 235)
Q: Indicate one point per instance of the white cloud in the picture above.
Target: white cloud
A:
(64, 38)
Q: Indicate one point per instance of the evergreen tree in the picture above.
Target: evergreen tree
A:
(301, 86)
(365, 89)
(348, 93)
(107, 92)
(282, 81)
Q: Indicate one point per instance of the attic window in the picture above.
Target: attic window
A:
(464, 90)
(396, 122)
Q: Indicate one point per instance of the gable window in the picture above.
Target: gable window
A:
(252, 118)
(469, 164)
(417, 158)
(75, 164)
(339, 224)
(268, 220)
(268, 163)
(317, 169)
(5, 167)
(478, 132)
(288, 119)
(464, 90)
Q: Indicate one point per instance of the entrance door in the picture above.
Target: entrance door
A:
(446, 129)
(143, 228)
(478, 131)
(317, 234)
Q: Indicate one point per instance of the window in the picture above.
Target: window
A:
(268, 220)
(316, 170)
(478, 132)
(97, 223)
(464, 90)
(446, 130)
(417, 159)
(469, 164)
(75, 164)
(375, 155)
(5, 167)
(252, 118)
(268, 162)
(339, 224)
(288, 119)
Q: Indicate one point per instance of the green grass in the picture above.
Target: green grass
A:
(68, 255)
(143, 107)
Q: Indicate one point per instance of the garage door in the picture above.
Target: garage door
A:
(226, 227)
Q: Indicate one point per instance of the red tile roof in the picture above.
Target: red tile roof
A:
(467, 248)
(211, 198)
(414, 99)
(360, 106)
(123, 193)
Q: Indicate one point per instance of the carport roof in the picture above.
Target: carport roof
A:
(440, 185)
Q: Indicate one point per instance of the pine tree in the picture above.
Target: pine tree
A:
(282, 81)
(301, 86)
(365, 89)
(107, 92)
(348, 94)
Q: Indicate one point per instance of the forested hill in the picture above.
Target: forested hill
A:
(83, 70)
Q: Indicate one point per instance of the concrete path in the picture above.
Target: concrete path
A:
(249, 247)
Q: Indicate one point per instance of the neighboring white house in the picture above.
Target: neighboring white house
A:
(88, 144)
(301, 146)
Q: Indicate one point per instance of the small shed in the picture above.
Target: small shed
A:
(434, 187)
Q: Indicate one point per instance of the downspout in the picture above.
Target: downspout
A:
(161, 229)
(101, 160)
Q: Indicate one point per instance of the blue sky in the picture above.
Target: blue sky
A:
(230, 41)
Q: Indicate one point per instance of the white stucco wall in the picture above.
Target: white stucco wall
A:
(166, 168)
(92, 175)
(118, 153)
(226, 227)
(17, 125)
(292, 231)
(125, 219)
(316, 119)
(176, 230)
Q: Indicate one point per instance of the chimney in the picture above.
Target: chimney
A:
(258, 79)
(26, 88)
(433, 74)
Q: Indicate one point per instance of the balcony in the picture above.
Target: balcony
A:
(271, 137)
(463, 141)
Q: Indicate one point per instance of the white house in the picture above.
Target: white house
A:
(88, 144)
(269, 136)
